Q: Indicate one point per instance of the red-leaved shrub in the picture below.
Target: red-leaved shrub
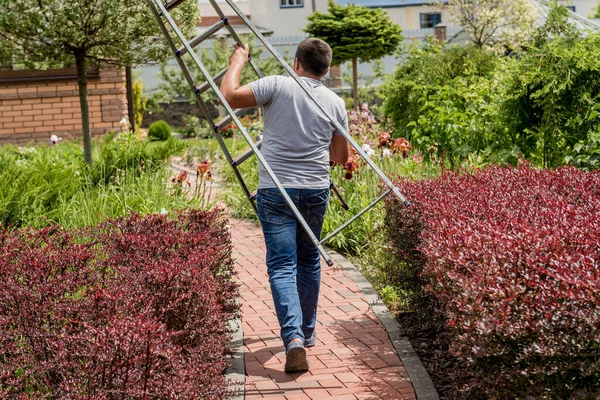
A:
(133, 308)
(513, 256)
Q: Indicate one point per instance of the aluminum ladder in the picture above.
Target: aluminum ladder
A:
(163, 17)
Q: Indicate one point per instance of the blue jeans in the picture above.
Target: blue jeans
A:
(293, 261)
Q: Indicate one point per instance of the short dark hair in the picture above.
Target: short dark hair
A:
(314, 55)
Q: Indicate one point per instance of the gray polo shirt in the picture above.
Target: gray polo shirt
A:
(297, 134)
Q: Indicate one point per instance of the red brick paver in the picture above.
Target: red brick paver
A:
(353, 358)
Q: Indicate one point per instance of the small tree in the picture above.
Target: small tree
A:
(355, 33)
(484, 20)
(121, 32)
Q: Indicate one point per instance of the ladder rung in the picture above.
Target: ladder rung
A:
(205, 86)
(237, 161)
(252, 197)
(169, 5)
(219, 125)
(203, 36)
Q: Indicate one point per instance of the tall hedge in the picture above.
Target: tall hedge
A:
(513, 257)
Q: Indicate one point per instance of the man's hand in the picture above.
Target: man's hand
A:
(240, 54)
(236, 96)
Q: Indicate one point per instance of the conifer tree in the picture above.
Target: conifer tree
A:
(355, 33)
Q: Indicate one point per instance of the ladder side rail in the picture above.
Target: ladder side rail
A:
(355, 217)
(182, 65)
(235, 36)
(335, 123)
(201, 102)
(249, 140)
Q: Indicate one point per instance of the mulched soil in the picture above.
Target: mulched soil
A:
(431, 344)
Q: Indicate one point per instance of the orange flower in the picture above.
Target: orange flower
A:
(203, 170)
(203, 167)
(401, 145)
(350, 167)
(179, 179)
(384, 139)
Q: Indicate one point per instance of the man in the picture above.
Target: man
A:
(298, 143)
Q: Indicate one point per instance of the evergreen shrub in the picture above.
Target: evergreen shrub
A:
(134, 308)
(159, 130)
(511, 254)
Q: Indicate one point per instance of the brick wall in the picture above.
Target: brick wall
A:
(32, 111)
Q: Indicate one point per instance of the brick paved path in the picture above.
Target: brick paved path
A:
(353, 358)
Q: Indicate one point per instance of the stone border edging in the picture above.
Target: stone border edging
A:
(236, 372)
(420, 379)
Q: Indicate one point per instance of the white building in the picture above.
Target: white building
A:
(283, 22)
(289, 17)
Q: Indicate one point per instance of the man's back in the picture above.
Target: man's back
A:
(297, 134)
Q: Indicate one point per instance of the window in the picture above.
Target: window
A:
(291, 3)
(571, 8)
(429, 20)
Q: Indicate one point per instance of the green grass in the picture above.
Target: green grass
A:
(45, 185)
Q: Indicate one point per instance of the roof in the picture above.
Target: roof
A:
(542, 9)
(388, 3)
(582, 24)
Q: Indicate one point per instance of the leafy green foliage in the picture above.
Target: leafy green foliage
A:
(110, 30)
(462, 103)
(355, 32)
(551, 94)
(159, 130)
(45, 185)
(439, 100)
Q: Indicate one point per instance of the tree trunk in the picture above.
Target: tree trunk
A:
(130, 108)
(355, 82)
(80, 63)
(314, 6)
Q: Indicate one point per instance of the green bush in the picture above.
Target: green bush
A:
(159, 130)
(541, 104)
(550, 95)
(438, 99)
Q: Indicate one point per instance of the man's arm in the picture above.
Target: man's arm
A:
(338, 150)
(236, 96)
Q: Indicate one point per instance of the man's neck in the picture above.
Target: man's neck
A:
(305, 75)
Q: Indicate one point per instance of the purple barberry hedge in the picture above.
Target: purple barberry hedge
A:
(135, 308)
(513, 257)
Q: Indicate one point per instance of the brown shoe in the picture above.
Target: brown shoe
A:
(295, 359)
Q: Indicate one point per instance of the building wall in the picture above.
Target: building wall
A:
(585, 8)
(207, 11)
(32, 111)
(283, 21)
(413, 17)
